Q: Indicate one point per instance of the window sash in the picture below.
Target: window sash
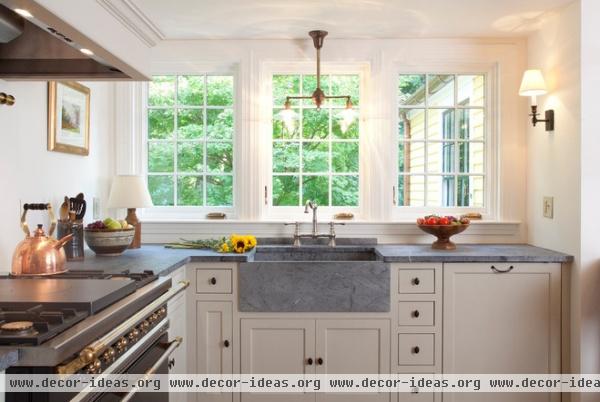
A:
(204, 173)
(451, 177)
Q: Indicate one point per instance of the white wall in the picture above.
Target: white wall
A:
(590, 190)
(30, 173)
(565, 165)
(553, 167)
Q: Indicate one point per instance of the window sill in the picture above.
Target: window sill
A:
(161, 231)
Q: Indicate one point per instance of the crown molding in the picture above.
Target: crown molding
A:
(134, 19)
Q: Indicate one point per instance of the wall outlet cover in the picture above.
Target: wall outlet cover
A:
(549, 207)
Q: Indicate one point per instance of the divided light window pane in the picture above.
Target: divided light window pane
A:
(315, 158)
(190, 140)
(441, 140)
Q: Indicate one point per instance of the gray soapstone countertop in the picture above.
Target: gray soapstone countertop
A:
(8, 357)
(152, 257)
(470, 253)
(162, 261)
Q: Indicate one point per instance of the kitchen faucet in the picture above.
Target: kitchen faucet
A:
(314, 234)
(312, 205)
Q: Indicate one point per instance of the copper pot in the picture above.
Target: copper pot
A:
(39, 254)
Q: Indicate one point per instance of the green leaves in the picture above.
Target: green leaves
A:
(321, 160)
(190, 135)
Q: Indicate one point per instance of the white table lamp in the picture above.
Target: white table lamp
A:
(130, 192)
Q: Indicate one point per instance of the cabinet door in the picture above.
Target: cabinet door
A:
(501, 318)
(353, 347)
(214, 350)
(277, 346)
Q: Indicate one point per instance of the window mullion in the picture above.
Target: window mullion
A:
(175, 143)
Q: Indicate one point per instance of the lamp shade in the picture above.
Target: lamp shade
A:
(533, 83)
(129, 192)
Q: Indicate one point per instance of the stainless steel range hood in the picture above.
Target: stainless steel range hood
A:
(41, 46)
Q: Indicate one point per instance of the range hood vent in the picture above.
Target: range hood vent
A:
(31, 49)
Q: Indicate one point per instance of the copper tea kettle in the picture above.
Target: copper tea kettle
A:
(39, 254)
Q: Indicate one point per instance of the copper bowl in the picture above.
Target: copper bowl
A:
(108, 242)
(443, 234)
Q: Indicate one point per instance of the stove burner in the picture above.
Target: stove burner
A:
(35, 325)
(18, 328)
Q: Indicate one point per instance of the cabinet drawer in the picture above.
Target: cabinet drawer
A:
(213, 280)
(416, 349)
(416, 281)
(416, 313)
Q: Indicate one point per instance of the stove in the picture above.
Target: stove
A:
(35, 325)
(141, 278)
(34, 309)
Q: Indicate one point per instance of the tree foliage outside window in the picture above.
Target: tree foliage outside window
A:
(441, 140)
(190, 140)
(315, 160)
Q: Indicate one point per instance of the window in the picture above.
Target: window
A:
(190, 140)
(315, 156)
(442, 140)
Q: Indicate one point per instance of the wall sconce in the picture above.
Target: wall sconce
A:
(533, 84)
(5, 99)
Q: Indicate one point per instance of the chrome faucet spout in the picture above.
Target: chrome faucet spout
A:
(312, 205)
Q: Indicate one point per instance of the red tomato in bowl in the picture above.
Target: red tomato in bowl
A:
(444, 221)
(432, 220)
(420, 221)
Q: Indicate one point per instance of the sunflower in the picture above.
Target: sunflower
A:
(238, 243)
(251, 242)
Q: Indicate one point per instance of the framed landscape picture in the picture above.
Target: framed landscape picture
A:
(68, 117)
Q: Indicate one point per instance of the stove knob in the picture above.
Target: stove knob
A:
(163, 311)
(144, 326)
(109, 355)
(155, 316)
(97, 364)
(134, 334)
(152, 319)
(121, 344)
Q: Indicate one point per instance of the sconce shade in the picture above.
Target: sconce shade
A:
(129, 192)
(533, 83)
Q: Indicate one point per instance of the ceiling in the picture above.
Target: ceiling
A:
(291, 19)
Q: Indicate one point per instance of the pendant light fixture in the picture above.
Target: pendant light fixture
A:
(318, 96)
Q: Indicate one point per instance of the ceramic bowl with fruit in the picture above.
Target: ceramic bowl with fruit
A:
(109, 237)
(443, 227)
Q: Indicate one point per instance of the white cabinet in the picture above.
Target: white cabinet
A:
(502, 318)
(214, 349)
(277, 346)
(353, 346)
(322, 346)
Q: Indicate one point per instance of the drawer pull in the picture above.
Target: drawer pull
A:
(213, 281)
(309, 361)
(320, 361)
(502, 271)
(416, 350)
(226, 343)
(414, 390)
(416, 314)
(416, 281)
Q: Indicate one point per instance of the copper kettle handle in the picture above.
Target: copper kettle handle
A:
(37, 207)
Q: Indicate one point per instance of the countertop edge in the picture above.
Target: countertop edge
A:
(8, 358)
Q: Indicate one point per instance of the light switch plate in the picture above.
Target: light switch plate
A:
(549, 207)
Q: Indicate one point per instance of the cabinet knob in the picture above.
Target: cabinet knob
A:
(416, 281)
(213, 281)
(416, 314)
(226, 343)
(309, 361)
(416, 350)
(320, 361)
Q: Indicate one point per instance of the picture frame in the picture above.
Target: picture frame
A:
(68, 117)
